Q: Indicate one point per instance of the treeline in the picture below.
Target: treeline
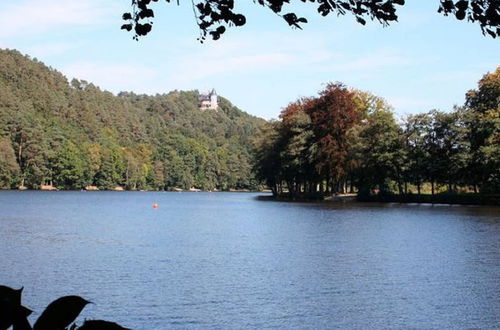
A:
(72, 135)
(345, 140)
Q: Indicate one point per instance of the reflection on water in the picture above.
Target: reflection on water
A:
(228, 260)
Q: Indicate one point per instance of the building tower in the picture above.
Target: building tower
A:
(209, 101)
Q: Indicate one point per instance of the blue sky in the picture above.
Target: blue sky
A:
(425, 61)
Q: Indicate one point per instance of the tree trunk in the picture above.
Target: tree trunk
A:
(290, 188)
(19, 156)
(432, 187)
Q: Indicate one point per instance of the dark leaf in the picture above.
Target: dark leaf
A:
(100, 325)
(127, 27)
(142, 29)
(60, 313)
(215, 35)
(21, 319)
(447, 5)
(145, 13)
(239, 20)
(10, 295)
(360, 20)
(491, 33)
(462, 5)
(460, 14)
(290, 18)
(10, 305)
(221, 29)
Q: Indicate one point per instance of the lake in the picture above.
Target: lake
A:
(229, 260)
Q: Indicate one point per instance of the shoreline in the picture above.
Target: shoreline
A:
(438, 199)
(124, 190)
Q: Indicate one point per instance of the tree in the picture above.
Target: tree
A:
(58, 128)
(332, 115)
(483, 120)
(31, 147)
(296, 135)
(112, 170)
(380, 153)
(374, 151)
(68, 166)
(416, 129)
(213, 16)
(9, 169)
(348, 136)
(268, 148)
(308, 148)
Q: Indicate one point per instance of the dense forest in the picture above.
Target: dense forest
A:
(72, 135)
(345, 140)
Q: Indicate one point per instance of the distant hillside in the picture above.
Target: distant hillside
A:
(72, 134)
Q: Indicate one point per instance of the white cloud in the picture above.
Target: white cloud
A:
(38, 16)
(408, 104)
(374, 62)
(381, 59)
(50, 49)
(113, 77)
(202, 67)
(247, 55)
(455, 76)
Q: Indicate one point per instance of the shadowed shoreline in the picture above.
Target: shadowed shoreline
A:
(451, 199)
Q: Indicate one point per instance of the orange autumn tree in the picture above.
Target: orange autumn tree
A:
(332, 115)
(307, 150)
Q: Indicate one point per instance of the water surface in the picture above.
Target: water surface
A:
(228, 260)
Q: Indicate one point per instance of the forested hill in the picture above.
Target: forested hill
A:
(73, 134)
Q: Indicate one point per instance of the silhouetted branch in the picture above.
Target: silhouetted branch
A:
(213, 16)
(59, 314)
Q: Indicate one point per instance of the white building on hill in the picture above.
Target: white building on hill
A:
(209, 101)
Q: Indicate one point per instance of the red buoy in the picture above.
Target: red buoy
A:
(155, 205)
